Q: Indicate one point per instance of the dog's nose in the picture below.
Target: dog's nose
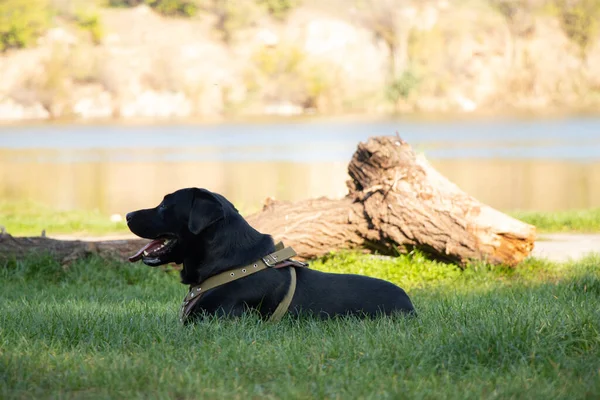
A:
(129, 216)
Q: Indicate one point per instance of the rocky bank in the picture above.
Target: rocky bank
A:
(328, 60)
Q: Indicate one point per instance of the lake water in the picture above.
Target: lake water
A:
(510, 165)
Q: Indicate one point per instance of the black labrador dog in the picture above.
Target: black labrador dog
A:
(203, 231)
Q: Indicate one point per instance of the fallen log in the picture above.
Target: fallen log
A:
(66, 251)
(396, 202)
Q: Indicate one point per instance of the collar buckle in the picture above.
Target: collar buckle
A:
(270, 260)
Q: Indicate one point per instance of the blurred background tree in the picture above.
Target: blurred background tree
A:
(383, 19)
(519, 17)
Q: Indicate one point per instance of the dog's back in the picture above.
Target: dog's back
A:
(329, 294)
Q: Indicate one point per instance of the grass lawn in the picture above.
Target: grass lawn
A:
(106, 329)
(29, 219)
(584, 221)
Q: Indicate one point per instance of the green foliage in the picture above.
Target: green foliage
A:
(279, 60)
(125, 3)
(402, 87)
(233, 13)
(82, 13)
(410, 272)
(319, 86)
(102, 329)
(231, 16)
(21, 22)
(91, 23)
(179, 8)
(287, 74)
(580, 20)
(279, 9)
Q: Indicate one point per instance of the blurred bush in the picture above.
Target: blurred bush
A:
(84, 14)
(279, 9)
(180, 8)
(229, 10)
(231, 16)
(91, 23)
(21, 22)
(401, 87)
(285, 73)
(580, 20)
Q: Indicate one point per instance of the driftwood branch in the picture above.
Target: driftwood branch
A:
(396, 202)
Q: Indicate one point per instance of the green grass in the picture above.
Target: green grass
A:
(28, 218)
(584, 221)
(101, 329)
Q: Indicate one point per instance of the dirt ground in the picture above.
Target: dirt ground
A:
(565, 246)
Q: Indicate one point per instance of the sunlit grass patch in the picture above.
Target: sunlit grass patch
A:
(104, 329)
(26, 218)
(584, 221)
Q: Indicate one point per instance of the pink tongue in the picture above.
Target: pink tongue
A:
(149, 247)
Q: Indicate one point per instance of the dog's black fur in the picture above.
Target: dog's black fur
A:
(209, 236)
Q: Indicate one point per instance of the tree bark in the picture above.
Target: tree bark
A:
(396, 202)
(315, 227)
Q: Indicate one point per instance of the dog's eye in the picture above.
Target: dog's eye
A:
(162, 207)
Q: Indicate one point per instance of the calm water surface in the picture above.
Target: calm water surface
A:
(528, 165)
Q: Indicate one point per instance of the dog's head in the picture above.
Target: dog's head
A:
(183, 218)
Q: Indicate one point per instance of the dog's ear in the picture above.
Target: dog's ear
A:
(206, 209)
